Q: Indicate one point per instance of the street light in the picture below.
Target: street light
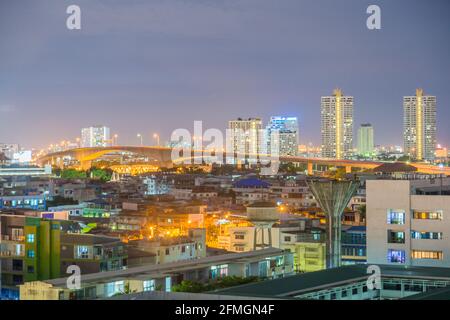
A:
(140, 137)
(156, 136)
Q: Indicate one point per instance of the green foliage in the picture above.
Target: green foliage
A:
(362, 211)
(223, 282)
(101, 174)
(291, 168)
(72, 174)
(404, 159)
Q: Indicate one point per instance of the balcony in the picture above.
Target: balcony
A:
(11, 254)
(12, 238)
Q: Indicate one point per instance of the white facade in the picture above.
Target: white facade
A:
(405, 228)
(337, 125)
(9, 149)
(97, 136)
(246, 136)
(419, 126)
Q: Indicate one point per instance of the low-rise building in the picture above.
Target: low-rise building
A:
(268, 263)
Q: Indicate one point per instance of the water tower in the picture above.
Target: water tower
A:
(263, 215)
(333, 196)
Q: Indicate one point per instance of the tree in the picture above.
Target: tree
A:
(73, 174)
(101, 174)
(362, 211)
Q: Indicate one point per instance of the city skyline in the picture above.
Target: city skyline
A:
(129, 73)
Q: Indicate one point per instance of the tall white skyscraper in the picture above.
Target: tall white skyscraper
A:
(245, 135)
(337, 125)
(365, 140)
(97, 136)
(287, 134)
(419, 126)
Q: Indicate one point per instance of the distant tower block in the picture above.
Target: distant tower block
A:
(333, 197)
(263, 215)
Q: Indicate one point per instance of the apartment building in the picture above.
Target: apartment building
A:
(408, 222)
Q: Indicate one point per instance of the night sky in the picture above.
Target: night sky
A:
(156, 65)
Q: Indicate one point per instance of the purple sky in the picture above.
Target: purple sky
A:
(156, 65)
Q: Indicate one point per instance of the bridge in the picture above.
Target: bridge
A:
(85, 156)
(162, 157)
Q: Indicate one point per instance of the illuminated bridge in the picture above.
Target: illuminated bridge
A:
(161, 156)
(85, 156)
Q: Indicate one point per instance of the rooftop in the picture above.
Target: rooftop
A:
(167, 268)
(319, 280)
(251, 183)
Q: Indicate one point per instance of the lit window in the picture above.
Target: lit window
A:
(426, 235)
(82, 252)
(219, 271)
(396, 217)
(396, 256)
(433, 255)
(30, 254)
(30, 238)
(427, 215)
(168, 284)
(396, 236)
(149, 285)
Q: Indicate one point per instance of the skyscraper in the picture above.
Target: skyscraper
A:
(419, 125)
(287, 134)
(245, 135)
(337, 125)
(97, 136)
(365, 140)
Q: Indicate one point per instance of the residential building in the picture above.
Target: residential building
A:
(97, 136)
(37, 248)
(35, 202)
(167, 250)
(268, 263)
(92, 253)
(9, 149)
(245, 138)
(366, 147)
(337, 125)
(29, 250)
(354, 245)
(419, 126)
(408, 222)
(287, 135)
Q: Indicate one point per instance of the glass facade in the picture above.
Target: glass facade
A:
(396, 216)
(396, 256)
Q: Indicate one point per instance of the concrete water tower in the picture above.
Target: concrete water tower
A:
(333, 196)
(263, 215)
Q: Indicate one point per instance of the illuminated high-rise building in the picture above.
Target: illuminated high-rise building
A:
(287, 128)
(245, 136)
(419, 126)
(365, 140)
(337, 125)
(97, 136)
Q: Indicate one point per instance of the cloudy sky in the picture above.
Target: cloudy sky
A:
(156, 65)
